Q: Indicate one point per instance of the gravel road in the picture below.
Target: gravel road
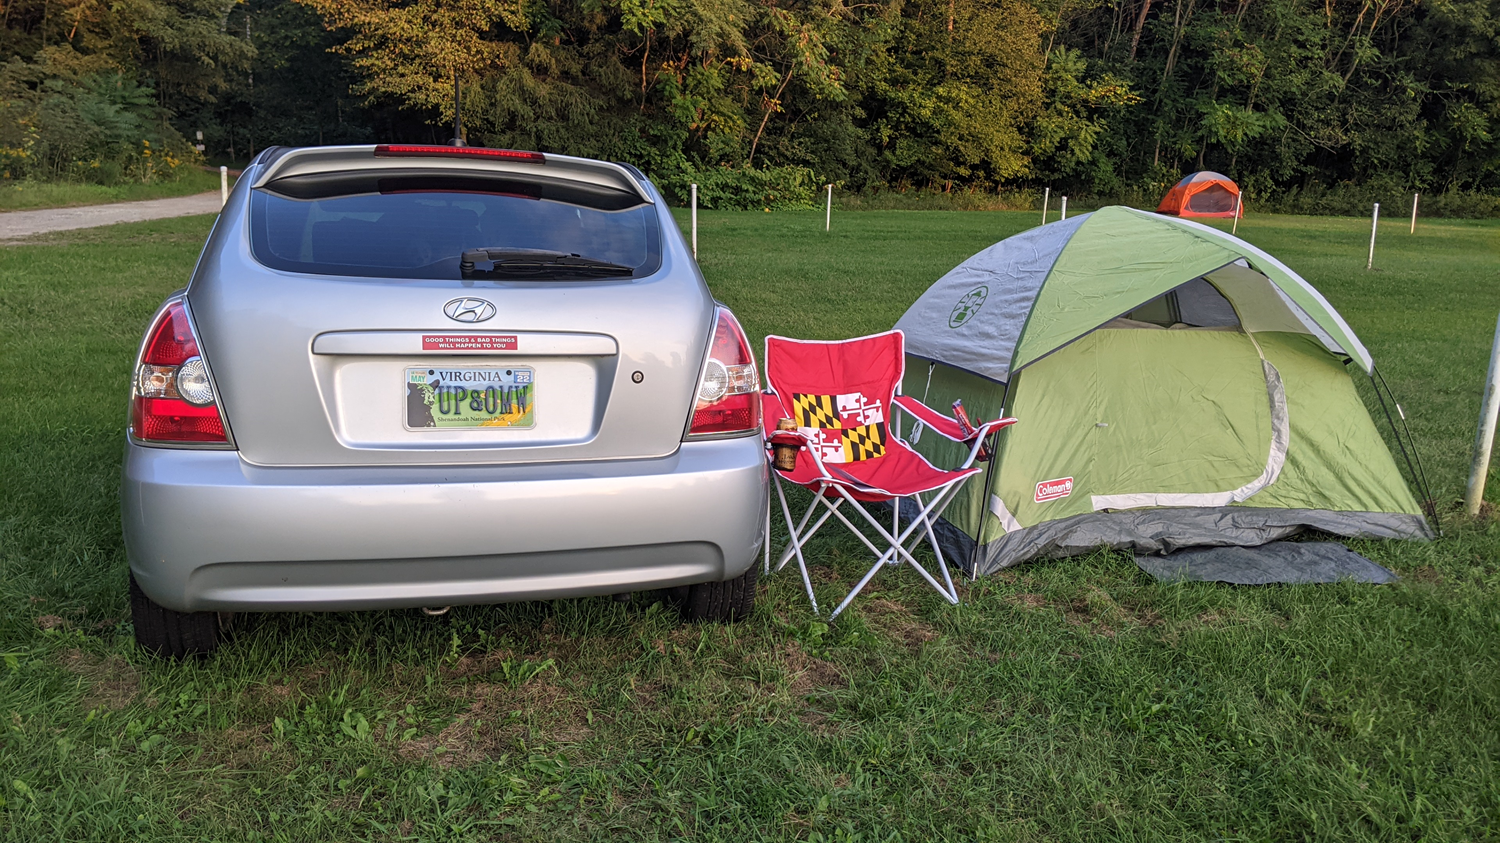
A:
(15, 224)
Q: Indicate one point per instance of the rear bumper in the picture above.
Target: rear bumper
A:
(206, 531)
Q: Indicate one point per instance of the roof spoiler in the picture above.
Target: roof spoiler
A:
(301, 161)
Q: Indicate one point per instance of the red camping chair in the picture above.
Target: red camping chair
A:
(842, 396)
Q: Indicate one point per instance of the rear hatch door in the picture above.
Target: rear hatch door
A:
(345, 325)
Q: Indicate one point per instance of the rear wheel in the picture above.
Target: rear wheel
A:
(721, 602)
(173, 635)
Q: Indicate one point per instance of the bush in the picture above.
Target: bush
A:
(1353, 200)
(101, 128)
(743, 188)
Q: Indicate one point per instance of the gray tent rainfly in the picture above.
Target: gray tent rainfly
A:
(1176, 386)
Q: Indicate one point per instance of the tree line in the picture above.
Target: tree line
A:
(762, 101)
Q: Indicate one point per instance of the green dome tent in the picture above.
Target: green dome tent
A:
(1176, 386)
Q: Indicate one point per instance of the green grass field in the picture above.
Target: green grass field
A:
(33, 195)
(1071, 700)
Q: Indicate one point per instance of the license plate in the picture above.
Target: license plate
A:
(459, 397)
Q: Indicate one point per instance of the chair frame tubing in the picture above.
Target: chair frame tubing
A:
(898, 551)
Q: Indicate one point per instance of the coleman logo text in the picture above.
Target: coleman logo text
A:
(1051, 490)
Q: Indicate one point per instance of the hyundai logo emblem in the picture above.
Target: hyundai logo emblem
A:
(469, 310)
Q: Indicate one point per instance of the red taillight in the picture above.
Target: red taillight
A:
(172, 398)
(406, 150)
(727, 400)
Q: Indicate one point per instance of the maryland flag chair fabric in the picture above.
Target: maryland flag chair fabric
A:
(843, 396)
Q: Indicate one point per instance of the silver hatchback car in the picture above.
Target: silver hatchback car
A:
(421, 376)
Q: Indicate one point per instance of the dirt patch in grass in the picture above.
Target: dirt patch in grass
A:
(1217, 618)
(1028, 600)
(477, 664)
(806, 673)
(1426, 574)
(50, 622)
(112, 684)
(1080, 613)
(819, 723)
(1094, 610)
(499, 715)
(898, 623)
(241, 748)
(307, 680)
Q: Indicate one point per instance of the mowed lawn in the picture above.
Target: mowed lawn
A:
(1069, 700)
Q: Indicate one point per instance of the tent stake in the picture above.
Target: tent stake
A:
(1414, 212)
(1046, 194)
(1484, 442)
(695, 221)
(1374, 224)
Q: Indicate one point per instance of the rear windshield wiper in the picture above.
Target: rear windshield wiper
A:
(539, 263)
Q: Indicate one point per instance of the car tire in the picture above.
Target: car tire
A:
(170, 634)
(722, 602)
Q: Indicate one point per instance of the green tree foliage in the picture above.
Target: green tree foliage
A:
(760, 102)
(86, 86)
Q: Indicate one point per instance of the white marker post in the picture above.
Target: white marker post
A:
(1414, 212)
(1239, 205)
(1046, 195)
(828, 211)
(1064, 208)
(1374, 223)
(1485, 441)
(695, 221)
(223, 186)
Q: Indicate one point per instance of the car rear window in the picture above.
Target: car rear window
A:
(395, 224)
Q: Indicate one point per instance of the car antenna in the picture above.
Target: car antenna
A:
(458, 119)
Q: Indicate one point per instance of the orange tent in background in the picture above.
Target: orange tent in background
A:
(1202, 194)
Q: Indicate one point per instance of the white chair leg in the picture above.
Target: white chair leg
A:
(797, 536)
(951, 593)
(794, 531)
(898, 543)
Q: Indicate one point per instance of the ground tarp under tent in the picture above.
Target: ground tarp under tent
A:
(1175, 386)
(1203, 194)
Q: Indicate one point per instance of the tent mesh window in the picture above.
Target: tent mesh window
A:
(1214, 199)
(1196, 304)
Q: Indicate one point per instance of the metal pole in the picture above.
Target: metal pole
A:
(1239, 204)
(828, 212)
(1485, 440)
(458, 121)
(1414, 212)
(1374, 223)
(223, 186)
(1064, 208)
(1046, 194)
(695, 222)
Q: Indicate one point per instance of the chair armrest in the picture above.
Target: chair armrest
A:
(947, 426)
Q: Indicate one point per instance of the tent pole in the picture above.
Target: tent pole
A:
(1484, 441)
(1414, 212)
(1239, 199)
(1412, 441)
(1374, 225)
(1046, 195)
(1417, 480)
